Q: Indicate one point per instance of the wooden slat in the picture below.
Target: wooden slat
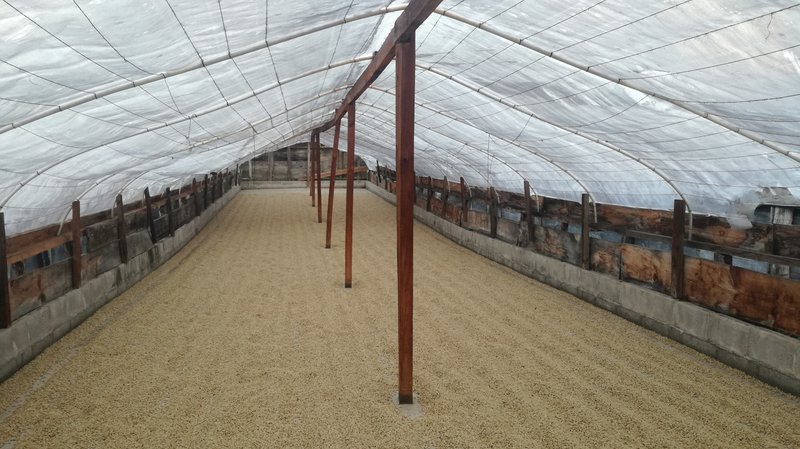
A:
(195, 198)
(343, 171)
(745, 253)
(75, 226)
(464, 202)
(526, 187)
(205, 192)
(21, 241)
(288, 163)
(38, 247)
(148, 207)
(492, 213)
(445, 195)
(170, 214)
(429, 195)
(122, 230)
(5, 294)
(404, 106)
(677, 261)
(586, 251)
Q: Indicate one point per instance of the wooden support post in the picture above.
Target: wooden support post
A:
(122, 230)
(170, 213)
(678, 219)
(445, 196)
(312, 171)
(236, 176)
(464, 202)
(492, 212)
(429, 195)
(319, 180)
(75, 226)
(334, 157)
(195, 198)
(529, 212)
(404, 106)
(348, 225)
(148, 208)
(586, 250)
(5, 291)
(378, 171)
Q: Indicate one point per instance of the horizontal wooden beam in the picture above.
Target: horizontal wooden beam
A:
(744, 253)
(727, 250)
(38, 247)
(404, 27)
(343, 171)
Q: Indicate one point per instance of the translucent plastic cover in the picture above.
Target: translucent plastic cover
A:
(636, 103)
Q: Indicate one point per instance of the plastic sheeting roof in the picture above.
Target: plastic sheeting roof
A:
(637, 103)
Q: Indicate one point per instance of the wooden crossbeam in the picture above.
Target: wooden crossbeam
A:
(343, 171)
(412, 17)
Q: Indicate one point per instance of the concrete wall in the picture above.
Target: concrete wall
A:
(762, 353)
(35, 331)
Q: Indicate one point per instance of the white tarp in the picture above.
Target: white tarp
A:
(637, 103)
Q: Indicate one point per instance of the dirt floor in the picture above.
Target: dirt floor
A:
(247, 339)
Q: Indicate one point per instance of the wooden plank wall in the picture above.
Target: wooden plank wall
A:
(634, 245)
(40, 261)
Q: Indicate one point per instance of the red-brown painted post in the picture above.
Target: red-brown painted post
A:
(5, 291)
(405, 184)
(586, 249)
(148, 209)
(312, 171)
(319, 180)
(348, 225)
(75, 226)
(464, 202)
(334, 157)
(528, 211)
(677, 260)
(122, 230)
(170, 213)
